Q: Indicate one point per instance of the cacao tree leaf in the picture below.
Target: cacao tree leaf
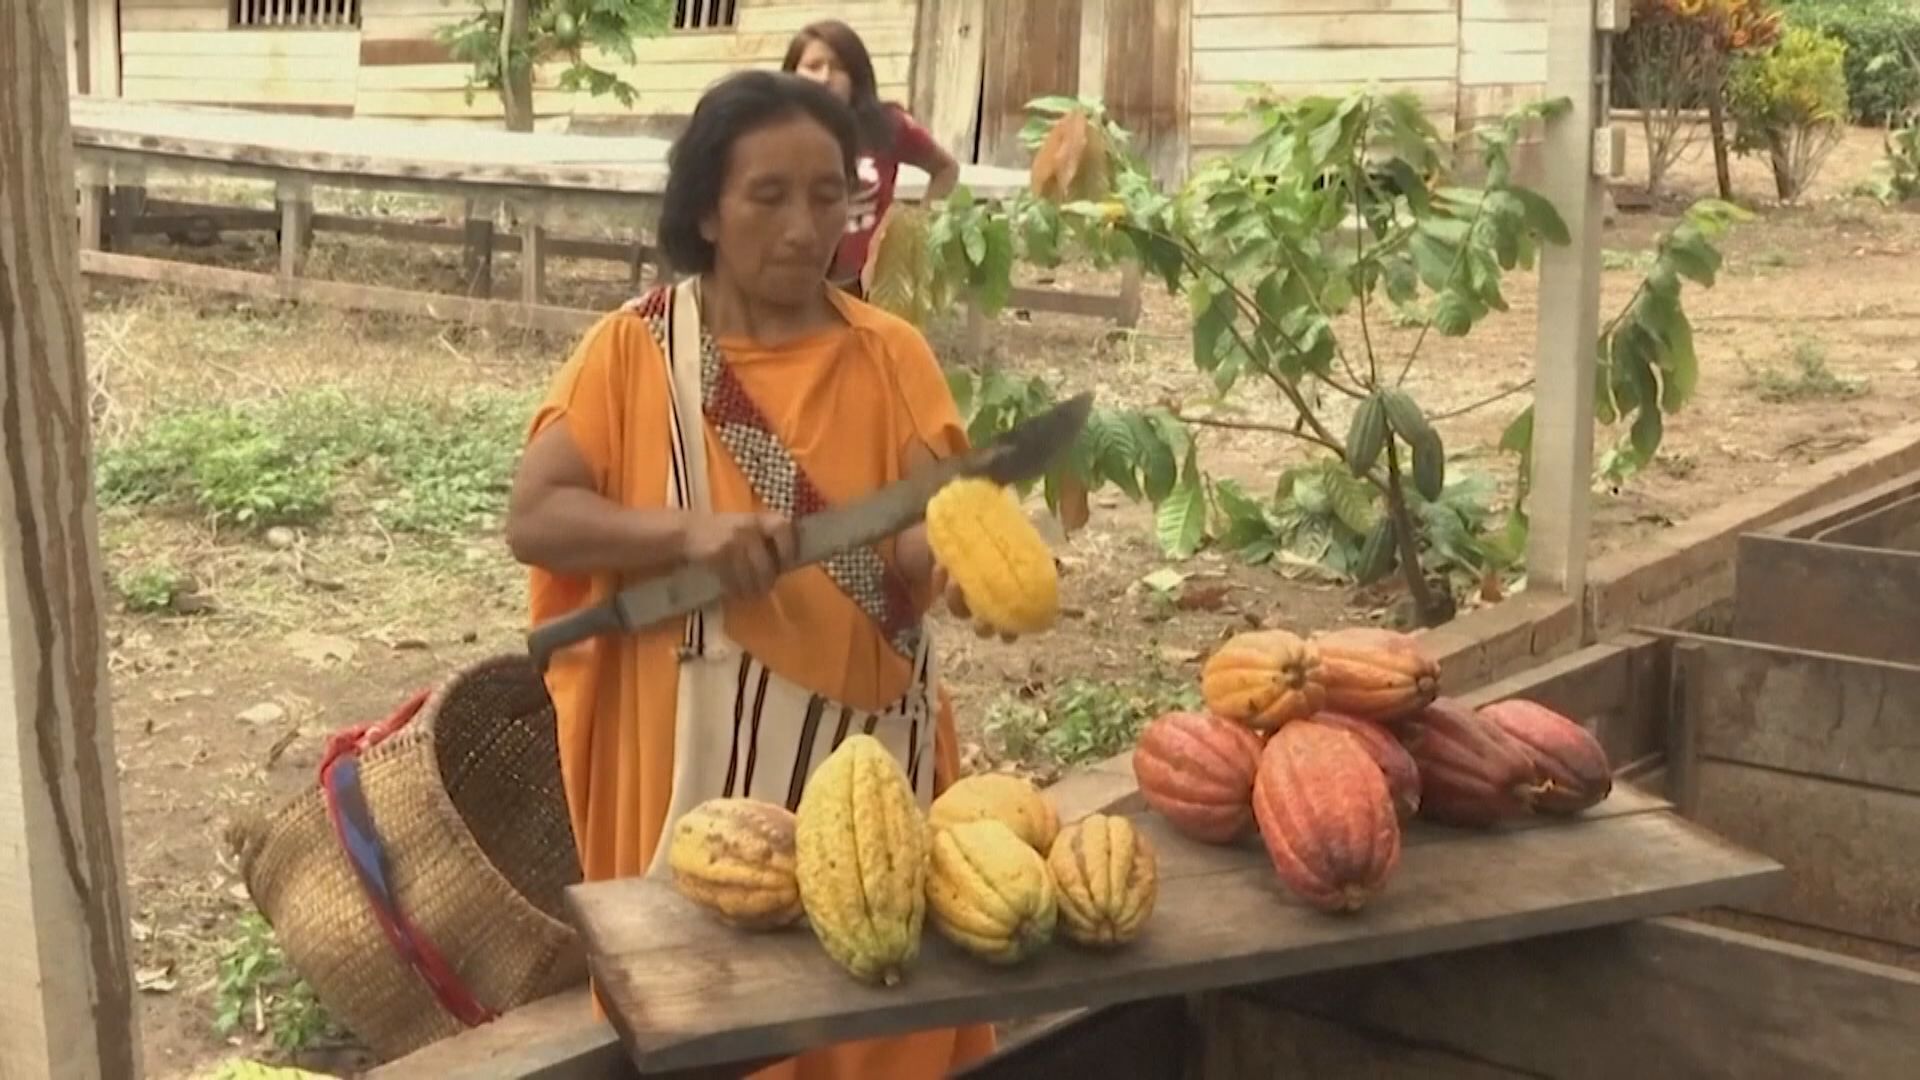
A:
(1429, 464)
(1351, 499)
(1213, 317)
(1432, 259)
(1377, 554)
(1180, 520)
(1517, 437)
(1367, 435)
(973, 238)
(1158, 466)
(1541, 216)
(1679, 366)
(1690, 254)
(1452, 313)
(996, 269)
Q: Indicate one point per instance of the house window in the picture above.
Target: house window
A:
(294, 14)
(703, 14)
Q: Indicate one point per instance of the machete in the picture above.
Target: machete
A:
(1023, 453)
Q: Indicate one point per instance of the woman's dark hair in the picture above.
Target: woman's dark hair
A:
(698, 161)
(877, 125)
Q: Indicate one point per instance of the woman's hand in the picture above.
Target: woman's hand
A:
(747, 551)
(944, 586)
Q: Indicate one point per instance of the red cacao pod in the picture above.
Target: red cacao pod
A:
(1326, 816)
(1196, 770)
(1471, 771)
(1396, 765)
(1567, 759)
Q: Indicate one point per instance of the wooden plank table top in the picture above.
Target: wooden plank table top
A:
(427, 153)
(685, 992)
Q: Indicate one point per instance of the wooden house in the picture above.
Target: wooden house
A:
(1174, 71)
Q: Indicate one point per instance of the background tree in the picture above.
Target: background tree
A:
(506, 45)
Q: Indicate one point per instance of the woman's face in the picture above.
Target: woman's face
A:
(820, 63)
(782, 211)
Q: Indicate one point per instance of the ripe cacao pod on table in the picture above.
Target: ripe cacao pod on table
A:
(1105, 878)
(1396, 765)
(1375, 674)
(1196, 770)
(1326, 816)
(1263, 679)
(862, 861)
(735, 858)
(1471, 772)
(1567, 759)
(989, 892)
(991, 550)
(1011, 800)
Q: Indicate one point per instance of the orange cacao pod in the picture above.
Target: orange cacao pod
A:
(1402, 775)
(1325, 816)
(1375, 674)
(1567, 759)
(1471, 771)
(1263, 679)
(1196, 770)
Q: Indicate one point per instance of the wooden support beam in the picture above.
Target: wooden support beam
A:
(295, 200)
(103, 48)
(534, 245)
(1569, 311)
(66, 981)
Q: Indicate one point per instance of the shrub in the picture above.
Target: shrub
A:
(1674, 59)
(1898, 180)
(1792, 103)
(1883, 52)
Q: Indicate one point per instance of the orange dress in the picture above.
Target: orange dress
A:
(848, 403)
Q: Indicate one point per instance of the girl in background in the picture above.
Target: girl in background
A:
(830, 53)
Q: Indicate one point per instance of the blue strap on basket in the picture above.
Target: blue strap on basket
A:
(359, 837)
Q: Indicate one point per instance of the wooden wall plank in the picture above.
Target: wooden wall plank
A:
(222, 43)
(865, 16)
(1237, 1038)
(146, 20)
(948, 64)
(1225, 99)
(1032, 50)
(1664, 997)
(1326, 65)
(1848, 850)
(1308, 7)
(1895, 526)
(1235, 33)
(212, 91)
(1500, 68)
(1504, 11)
(1812, 595)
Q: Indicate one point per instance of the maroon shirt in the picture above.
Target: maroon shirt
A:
(874, 177)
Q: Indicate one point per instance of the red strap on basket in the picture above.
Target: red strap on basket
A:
(353, 827)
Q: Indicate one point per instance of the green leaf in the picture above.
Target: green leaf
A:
(1181, 519)
(1213, 317)
(1645, 434)
(1429, 464)
(1541, 216)
(1367, 435)
(1452, 314)
(974, 237)
(1158, 467)
(1351, 499)
(1680, 366)
(997, 267)
(1432, 259)
(1518, 436)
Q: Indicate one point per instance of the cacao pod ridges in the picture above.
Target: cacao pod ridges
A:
(861, 843)
(1326, 817)
(989, 892)
(1196, 770)
(1106, 879)
(1570, 766)
(736, 859)
(1472, 773)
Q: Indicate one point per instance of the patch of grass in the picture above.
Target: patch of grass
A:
(419, 466)
(149, 587)
(1637, 261)
(1079, 720)
(256, 991)
(1805, 377)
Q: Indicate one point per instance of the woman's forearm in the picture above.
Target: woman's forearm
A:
(575, 531)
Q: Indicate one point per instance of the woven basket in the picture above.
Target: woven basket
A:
(469, 805)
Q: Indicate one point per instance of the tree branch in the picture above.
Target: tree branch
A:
(1484, 402)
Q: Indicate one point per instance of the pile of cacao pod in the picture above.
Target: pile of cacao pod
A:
(1327, 744)
(989, 865)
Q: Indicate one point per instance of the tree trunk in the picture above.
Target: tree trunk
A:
(1428, 609)
(1717, 126)
(1784, 182)
(66, 989)
(516, 79)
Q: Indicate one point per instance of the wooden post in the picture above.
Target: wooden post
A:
(1093, 49)
(479, 248)
(533, 255)
(66, 987)
(949, 54)
(103, 48)
(1569, 311)
(296, 225)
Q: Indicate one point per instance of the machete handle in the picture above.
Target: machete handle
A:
(550, 637)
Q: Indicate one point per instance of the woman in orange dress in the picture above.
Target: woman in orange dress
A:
(693, 430)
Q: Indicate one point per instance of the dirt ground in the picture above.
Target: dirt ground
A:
(223, 701)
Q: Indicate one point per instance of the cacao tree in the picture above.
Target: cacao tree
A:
(584, 33)
(1340, 218)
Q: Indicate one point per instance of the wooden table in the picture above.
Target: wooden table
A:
(119, 144)
(685, 992)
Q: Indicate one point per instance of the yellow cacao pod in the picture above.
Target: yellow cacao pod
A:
(862, 851)
(1106, 878)
(735, 858)
(991, 550)
(989, 892)
(1010, 800)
